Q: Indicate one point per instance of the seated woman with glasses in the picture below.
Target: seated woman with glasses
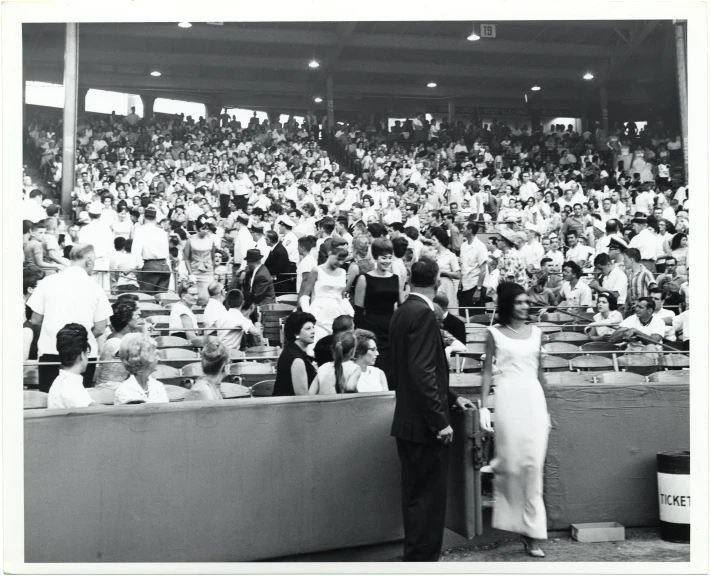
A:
(371, 379)
(182, 322)
(139, 355)
(215, 368)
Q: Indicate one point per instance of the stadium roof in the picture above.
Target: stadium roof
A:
(265, 64)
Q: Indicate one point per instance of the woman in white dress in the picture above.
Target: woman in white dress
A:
(522, 423)
(372, 379)
(449, 267)
(324, 290)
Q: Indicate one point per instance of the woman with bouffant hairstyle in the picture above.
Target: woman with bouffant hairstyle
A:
(215, 367)
(139, 355)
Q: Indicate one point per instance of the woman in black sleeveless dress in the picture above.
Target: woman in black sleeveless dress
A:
(376, 295)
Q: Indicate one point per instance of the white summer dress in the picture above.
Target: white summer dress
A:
(328, 302)
(521, 427)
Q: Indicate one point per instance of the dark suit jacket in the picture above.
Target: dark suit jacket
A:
(456, 327)
(277, 261)
(262, 291)
(421, 374)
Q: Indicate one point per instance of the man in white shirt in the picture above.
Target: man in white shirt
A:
(67, 390)
(642, 330)
(412, 218)
(99, 235)
(32, 209)
(152, 246)
(215, 310)
(610, 279)
(574, 292)
(528, 188)
(532, 252)
(474, 256)
(645, 242)
(288, 238)
(70, 296)
(667, 316)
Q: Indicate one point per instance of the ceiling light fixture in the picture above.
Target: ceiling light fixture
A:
(473, 36)
(535, 88)
(185, 25)
(313, 64)
(431, 85)
(526, 97)
(588, 76)
(318, 99)
(155, 73)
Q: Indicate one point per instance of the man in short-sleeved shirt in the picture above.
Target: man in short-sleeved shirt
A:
(70, 296)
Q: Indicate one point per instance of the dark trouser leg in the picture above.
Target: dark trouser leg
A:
(155, 277)
(425, 470)
(466, 301)
(224, 205)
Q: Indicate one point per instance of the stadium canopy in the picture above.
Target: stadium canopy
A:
(380, 67)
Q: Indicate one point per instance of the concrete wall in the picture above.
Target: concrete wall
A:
(261, 478)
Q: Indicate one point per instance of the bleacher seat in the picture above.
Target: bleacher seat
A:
(600, 347)
(103, 396)
(484, 319)
(619, 378)
(555, 364)
(548, 328)
(591, 362)
(164, 297)
(553, 347)
(34, 399)
(153, 309)
(671, 377)
(175, 393)
(675, 361)
(172, 342)
(642, 364)
(291, 299)
(177, 357)
(573, 337)
(569, 377)
(159, 322)
(264, 388)
(192, 370)
(251, 372)
(556, 318)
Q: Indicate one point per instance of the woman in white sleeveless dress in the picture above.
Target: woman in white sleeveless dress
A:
(522, 423)
(324, 288)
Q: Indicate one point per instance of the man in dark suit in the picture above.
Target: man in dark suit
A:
(421, 418)
(258, 284)
(452, 324)
(278, 263)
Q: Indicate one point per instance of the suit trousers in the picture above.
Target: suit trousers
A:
(425, 474)
(224, 200)
(47, 374)
(155, 277)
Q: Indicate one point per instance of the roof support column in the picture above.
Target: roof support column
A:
(682, 88)
(71, 93)
(331, 105)
(148, 103)
(452, 112)
(604, 100)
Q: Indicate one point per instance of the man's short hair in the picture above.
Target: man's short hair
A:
(413, 207)
(424, 273)
(602, 260)
(411, 232)
(377, 230)
(634, 254)
(36, 192)
(119, 243)
(214, 288)
(272, 236)
(80, 251)
(399, 247)
(327, 224)
(545, 261)
(574, 267)
(72, 342)
(442, 300)
(649, 302)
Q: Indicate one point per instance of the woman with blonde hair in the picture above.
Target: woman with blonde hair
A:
(342, 374)
(215, 367)
(139, 355)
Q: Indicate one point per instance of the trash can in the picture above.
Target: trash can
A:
(674, 495)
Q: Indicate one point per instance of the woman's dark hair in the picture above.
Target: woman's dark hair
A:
(381, 247)
(675, 243)
(507, 293)
(123, 311)
(343, 347)
(338, 246)
(364, 337)
(399, 247)
(440, 235)
(295, 323)
(613, 302)
(72, 342)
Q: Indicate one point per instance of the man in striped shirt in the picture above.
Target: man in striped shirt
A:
(640, 278)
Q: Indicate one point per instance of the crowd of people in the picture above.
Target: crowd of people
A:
(385, 239)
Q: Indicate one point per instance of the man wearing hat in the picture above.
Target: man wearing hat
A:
(617, 248)
(99, 235)
(288, 238)
(151, 246)
(243, 240)
(257, 233)
(258, 286)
